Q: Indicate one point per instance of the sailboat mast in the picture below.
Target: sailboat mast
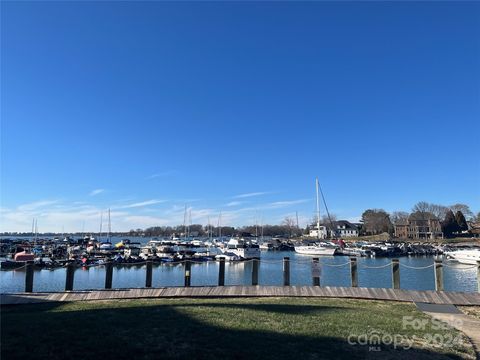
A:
(318, 210)
(109, 226)
(101, 224)
(220, 226)
(185, 223)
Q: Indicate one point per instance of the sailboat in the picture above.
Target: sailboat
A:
(107, 246)
(318, 249)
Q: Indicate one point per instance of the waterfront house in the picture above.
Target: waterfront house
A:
(318, 232)
(419, 225)
(344, 228)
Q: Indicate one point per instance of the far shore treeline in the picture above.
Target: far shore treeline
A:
(456, 221)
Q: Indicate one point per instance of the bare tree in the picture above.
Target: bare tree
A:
(464, 209)
(421, 207)
(398, 217)
(327, 220)
(439, 211)
(290, 224)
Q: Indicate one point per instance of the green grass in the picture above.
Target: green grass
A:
(245, 328)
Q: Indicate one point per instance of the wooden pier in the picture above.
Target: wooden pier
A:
(432, 297)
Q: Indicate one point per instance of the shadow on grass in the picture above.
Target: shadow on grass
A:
(168, 331)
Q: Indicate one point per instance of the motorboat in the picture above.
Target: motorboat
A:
(464, 256)
(242, 248)
(317, 250)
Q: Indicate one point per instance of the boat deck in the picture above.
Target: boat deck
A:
(432, 297)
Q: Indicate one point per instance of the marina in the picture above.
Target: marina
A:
(416, 273)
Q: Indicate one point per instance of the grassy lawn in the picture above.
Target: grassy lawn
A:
(248, 328)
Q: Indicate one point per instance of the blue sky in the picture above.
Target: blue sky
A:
(235, 107)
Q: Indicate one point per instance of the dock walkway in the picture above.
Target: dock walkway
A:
(432, 297)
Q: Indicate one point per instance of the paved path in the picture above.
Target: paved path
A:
(432, 297)
(449, 314)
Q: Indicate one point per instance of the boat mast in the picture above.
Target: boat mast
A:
(33, 230)
(318, 209)
(220, 226)
(109, 226)
(185, 224)
(101, 224)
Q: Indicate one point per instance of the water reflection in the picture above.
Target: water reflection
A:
(335, 271)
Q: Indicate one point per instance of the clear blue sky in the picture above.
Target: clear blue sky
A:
(146, 107)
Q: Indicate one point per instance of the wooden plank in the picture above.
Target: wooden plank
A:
(435, 297)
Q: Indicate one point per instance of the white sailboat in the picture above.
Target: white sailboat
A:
(318, 249)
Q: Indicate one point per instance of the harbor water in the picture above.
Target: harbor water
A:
(416, 273)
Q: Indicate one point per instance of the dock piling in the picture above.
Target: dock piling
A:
(438, 275)
(395, 273)
(188, 269)
(29, 276)
(255, 272)
(353, 271)
(316, 272)
(478, 276)
(108, 274)
(286, 271)
(69, 276)
(148, 278)
(221, 272)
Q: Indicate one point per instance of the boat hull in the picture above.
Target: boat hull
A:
(470, 257)
(315, 250)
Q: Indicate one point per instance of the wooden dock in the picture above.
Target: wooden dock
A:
(433, 297)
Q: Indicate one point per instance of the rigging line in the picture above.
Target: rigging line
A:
(326, 208)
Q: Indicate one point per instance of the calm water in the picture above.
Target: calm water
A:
(456, 277)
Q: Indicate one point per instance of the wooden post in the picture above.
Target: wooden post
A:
(316, 272)
(221, 272)
(478, 275)
(353, 271)
(255, 272)
(148, 278)
(188, 269)
(69, 276)
(395, 273)
(438, 275)
(108, 274)
(29, 276)
(286, 271)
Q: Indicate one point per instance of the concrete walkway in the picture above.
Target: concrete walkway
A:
(449, 314)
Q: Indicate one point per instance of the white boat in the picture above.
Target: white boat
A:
(242, 248)
(318, 250)
(464, 256)
(228, 257)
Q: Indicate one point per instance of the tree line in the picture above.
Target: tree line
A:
(453, 219)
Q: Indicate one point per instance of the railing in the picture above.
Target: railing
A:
(315, 267)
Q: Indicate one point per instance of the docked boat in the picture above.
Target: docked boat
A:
(464, 256)
(242, 248)
(318, 250)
